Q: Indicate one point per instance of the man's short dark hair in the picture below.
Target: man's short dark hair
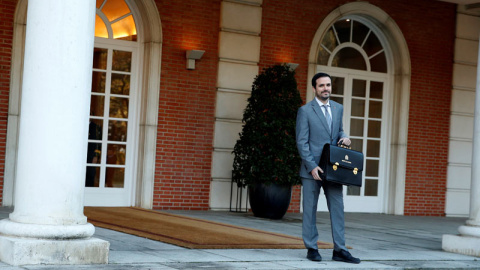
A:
(317, 76)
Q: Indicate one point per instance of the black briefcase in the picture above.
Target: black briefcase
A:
(342, 165)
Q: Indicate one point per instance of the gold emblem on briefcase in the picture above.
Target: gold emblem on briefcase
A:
(335, 166)
(355, 171)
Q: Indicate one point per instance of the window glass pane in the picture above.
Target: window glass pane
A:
(374, 128)
(121, 61)
(376, 90)
(125, 29)
(359, 88)
(94, 153)
(337, 99)
(338, 84)
(371, 187)
(114, 177)
(92, 177)
(100, 58)
(373, 148)
(349, 58)
(360, 31)
(375, 109)
(323, 56)
(118, 107)
(120, 84)
(356, 127)
(371, 168)
(116, 154)
(379, 63)
(329, 40)
(98, 82)
(97, 104)
(117, 131)
(115, 9)
(372, 45)
(358, 107)
(357, 144)
(100, 28)
(343, 30)
(353, 191)
(95, 129)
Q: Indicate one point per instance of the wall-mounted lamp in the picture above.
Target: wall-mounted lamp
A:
(292, 66)
(193, 55)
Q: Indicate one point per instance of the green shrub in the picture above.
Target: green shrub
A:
(266, 151)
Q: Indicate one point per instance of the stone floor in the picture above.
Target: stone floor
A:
(381, 241)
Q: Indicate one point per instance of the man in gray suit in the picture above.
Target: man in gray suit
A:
(320, 122)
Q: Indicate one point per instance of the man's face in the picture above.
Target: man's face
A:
(323, 89)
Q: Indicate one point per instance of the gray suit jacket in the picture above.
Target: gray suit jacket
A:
(312, 133)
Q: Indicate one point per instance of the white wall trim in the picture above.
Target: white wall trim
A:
(16, 74)
(238, 66)
(462, 109)
(149, 24)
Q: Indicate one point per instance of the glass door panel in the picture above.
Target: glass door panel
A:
(109, 128)
(363, 101)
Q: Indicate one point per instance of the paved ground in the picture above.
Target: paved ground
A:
(381, 241)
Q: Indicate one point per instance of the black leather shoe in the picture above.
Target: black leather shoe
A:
(344, 256)
(313, 255)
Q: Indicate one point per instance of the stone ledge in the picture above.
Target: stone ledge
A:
(28, 251)
(467, 245)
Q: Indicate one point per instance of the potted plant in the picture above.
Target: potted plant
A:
(266, 157)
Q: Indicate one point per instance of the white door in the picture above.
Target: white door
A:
(355, 58)
(109, 180)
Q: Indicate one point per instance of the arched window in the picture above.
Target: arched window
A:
(351, 44)
(114, 20)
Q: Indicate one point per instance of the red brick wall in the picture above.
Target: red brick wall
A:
(187, 104)
(7, 11)
(288, 28)
(431, 51)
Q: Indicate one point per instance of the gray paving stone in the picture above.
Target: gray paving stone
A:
(126, 257)
(231, 266)
(189, 255)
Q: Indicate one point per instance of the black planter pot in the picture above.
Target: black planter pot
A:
(269, 201)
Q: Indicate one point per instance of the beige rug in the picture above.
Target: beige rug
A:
(189, 232)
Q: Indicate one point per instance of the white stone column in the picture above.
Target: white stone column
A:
(468, 242)
(48, 225)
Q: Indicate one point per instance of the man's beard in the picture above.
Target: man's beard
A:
(322, 97)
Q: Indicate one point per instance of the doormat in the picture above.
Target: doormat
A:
(189, 232)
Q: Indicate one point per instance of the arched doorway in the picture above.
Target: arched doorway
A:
(110, 153)
(369, 64)
(140, 123)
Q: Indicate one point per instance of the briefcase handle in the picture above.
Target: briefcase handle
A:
(344, 146)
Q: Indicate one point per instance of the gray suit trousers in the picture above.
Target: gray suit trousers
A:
(334, 195)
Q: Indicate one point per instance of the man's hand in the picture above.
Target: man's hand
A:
(316, 173)
(344, 141)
